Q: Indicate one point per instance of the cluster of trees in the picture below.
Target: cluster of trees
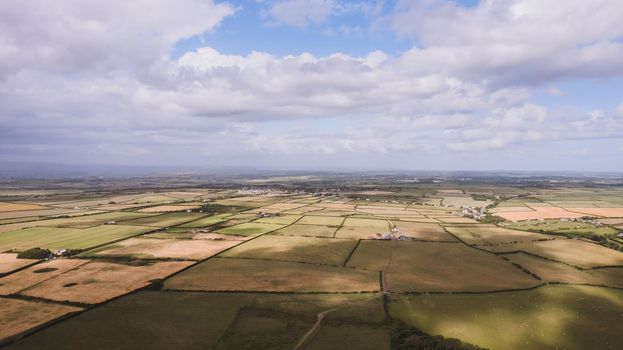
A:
(405, 337)
(34, 253)
(492, 219)
(606, 242)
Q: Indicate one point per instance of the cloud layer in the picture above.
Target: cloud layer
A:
(96, 81)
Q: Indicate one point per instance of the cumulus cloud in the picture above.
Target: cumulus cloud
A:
(301, 13)
(518, 41)
(305, 13)
(73, 36)
(85, 81)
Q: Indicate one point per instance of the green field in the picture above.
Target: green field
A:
(177, 320)
(279, 219)
(207, 221)
(94, 220)
(67, 238)
(490, 234)
(438, 267)
(316, 276)
(321, 220)
(307, 230)
(298, 249)
(565, 227)
(165, 220)
(551, 317)
(249, 229)
(232, 274)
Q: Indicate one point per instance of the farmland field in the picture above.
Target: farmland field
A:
(239, 321)
(564, 317)
(95, 282)
(489, 234)
(321, 220)
(438, 267)
(344, 265)
(165, 220)
(279, 220)
(566, 227)
(250, 229)
(153, 248)
(570, 251)
(9, 263)
(14, 321)
(5, 207)
(66, 238)
(207, 221)
(168, 208)
(298, 249)
(551, 271)
(227, 274)
(307, 230)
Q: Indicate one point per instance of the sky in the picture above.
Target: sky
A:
(314, 84)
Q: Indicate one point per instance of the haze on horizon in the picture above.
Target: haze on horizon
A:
(428, 84)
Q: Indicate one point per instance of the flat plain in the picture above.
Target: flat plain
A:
(266, 264)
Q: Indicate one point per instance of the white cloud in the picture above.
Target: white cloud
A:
(619, 109)
(99, 82)
(515, 42)
(305, 13)
(301, 13)
(97, 37)
(552, 91)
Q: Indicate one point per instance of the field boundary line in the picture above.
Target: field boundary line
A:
(16, 296)
(340, 226)
(471, 292)
(21, 268)
(278, 260)
(313, 292)
(217, 254)
(24, 334)
(351, 253)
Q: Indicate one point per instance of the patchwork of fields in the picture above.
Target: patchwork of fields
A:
(222, 269)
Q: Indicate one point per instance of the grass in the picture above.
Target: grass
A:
(354, 232)
(351, 336)
(490, 234)
(13, 311)
(9, 262)
(551, 271)
(156, 320)
(556, 226)
(179, 320)
(265, 329)
(207, 221)
(36, 274)
(293, 248)
(423, 231)
(165, 220)
(153, 248)
(94, 220)
(563, 317)
(249, 229)
(367, 223)
(321, 220)
(99, 281)
(4, 207)
(307, 230)
(571, 251)
(438, 267)
(227, 274)
(66, 238)
(279, 220)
